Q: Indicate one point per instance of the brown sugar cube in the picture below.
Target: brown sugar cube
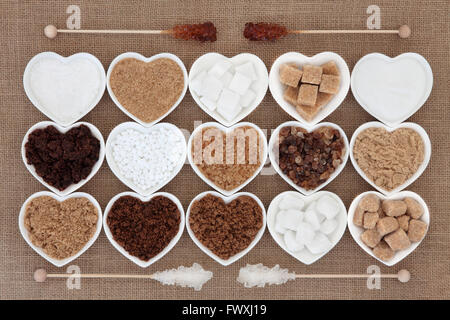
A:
(413, 208)
(370, 203)
(371, 237)
(307, 95)
(311, 74)
(323, 99)
(290, 75)
(417, 230)
(307, 112)
(290, 95)
(330, 68)
(370, 220)
(403, 221)
(383, 251)
(329, 84)
(387, 225)
(381, 213)
(398, 240)
(358, 216)
(394, 208)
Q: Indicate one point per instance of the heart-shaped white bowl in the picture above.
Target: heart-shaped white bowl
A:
(206, 61)
(142, 58)
(34, 96)
(172, 243)
(227, 200)
(95, 132)
(374, 124)
(24, 231)
(304, 256)
(277, 88)
(113, 166)
(356, 231)
(273, 150)
(263, 153)
(392, 89)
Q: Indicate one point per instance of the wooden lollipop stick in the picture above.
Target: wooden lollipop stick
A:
(341, 31)
(402, 276)
(40, 275)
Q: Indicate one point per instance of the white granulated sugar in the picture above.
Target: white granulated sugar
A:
(193, 277)
(66, 90)
(148, 159)
(258, 275)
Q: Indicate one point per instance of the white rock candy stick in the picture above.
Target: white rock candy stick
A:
(193, 277)
(258, 275)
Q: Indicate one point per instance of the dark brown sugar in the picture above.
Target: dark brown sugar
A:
(225, 229)
(144, 229)
(62, 159)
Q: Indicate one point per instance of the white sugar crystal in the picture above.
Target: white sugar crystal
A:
(211, 105)
(247, 98)
(197, 83)
(228, 104)
(220, 68)
(304, 233)
(212, 87)
(289, 219)
(327, 206)
(291, 243)
(193, 277)
(240, 83)
(226, 79)
(290, 201)
(247, 70)
(311, 217)
(258, 275)
(328, 226)
(319, 244)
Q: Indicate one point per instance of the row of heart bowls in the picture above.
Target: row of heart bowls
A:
(370, 101)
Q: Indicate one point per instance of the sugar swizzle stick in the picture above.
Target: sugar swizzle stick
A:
(200, 32)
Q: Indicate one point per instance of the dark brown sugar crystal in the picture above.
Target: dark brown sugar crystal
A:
(309, 158)
(200, 32)
(62, 159)
(264, 31)
(144, 229)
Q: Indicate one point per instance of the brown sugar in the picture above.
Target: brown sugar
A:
(147, 90)
(60, 229)
(228, 160)
(225, 229)
(389, 159)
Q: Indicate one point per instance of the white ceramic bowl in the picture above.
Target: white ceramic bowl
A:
(417, 174)
(112, 164)
(274, 157)
(66, 60)
(263, 144)
(227, 200)
(142, 58)
(24, 231)
(172, 243)
(380, 84)
(305, 256)
(206, 61)
(95, 132)
(277, 88)
(356, 231)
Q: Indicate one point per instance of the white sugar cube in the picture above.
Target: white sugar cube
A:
(197, 83)
(247, 98)
(310, 216)
(328, 226)
(279, 226)
(290, 201)
(291, 242)
(256, 85)
(247, 69)
(211, 105)
(319, 244)
(226, 79)
(228, 104)
(220, 68)
(240, 83)
(304, 233)
(289, 219)
(327, 206)
(212, 87)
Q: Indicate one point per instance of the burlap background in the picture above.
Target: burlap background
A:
(22, 23)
